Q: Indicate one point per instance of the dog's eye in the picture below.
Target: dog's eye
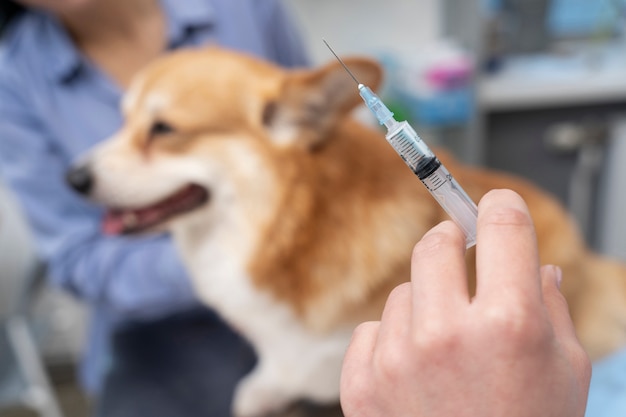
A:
(161, 128)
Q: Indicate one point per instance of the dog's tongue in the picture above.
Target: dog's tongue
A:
(113, 223)
(118, 221)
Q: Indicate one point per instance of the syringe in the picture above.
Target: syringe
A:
(423, 162)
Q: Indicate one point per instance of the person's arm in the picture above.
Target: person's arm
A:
(509, 351)
(140, 277)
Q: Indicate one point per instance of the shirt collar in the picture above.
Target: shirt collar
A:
(65, 61)
(186, 16)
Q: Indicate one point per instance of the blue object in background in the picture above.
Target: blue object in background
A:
(442, 109)
(575, 18)
(607, 395)
(492, 5)
(586, 18)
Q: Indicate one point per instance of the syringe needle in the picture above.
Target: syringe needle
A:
(341, 62)
(422, 161)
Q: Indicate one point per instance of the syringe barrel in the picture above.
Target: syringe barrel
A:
(443, 187)
(455, 201)
(410, 147)
(423, 162)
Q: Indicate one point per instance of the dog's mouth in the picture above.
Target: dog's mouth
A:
(125, 221)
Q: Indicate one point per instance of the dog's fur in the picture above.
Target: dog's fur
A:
(311, 216)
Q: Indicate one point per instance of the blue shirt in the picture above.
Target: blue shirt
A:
(55, 105)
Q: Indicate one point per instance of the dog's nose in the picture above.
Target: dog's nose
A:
(80, 179)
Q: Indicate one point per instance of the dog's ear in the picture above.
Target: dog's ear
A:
(311, 102)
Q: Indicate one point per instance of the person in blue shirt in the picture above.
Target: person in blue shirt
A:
(64, 64)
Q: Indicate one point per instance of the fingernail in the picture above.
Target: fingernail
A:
(559, 276)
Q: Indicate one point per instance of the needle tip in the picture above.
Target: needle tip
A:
(341, 62)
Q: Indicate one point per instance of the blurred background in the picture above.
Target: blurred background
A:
(533, 87)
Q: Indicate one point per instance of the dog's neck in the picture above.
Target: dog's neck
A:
(329, 203)
(322, 211)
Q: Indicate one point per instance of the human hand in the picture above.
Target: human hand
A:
(509, 351)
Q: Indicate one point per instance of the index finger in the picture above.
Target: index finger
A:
(507, 260)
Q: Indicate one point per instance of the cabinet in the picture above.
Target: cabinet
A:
(519, 106)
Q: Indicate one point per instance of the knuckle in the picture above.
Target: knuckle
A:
(437, 338)
(393, 359)
(390, 364)
(518, 326)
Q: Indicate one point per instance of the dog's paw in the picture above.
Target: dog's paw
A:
(256, 397)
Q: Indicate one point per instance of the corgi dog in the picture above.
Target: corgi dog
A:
(296, 220)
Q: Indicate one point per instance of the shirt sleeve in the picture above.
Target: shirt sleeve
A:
(137, 277)
(284, 39)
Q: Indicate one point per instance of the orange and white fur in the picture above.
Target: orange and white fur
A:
(295, 220)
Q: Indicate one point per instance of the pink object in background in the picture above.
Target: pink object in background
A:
(448, 75)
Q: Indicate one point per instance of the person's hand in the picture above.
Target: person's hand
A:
(509, 351)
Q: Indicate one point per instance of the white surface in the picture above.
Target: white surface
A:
(366, 26)
(592, 75)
